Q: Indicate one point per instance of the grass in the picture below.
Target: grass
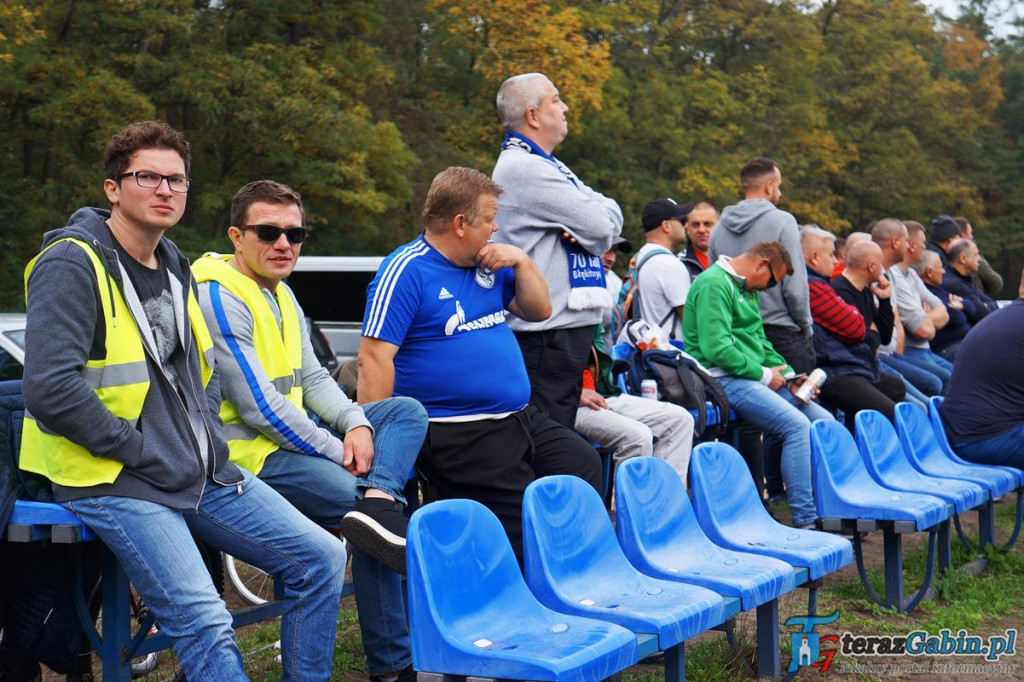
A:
(982, 604)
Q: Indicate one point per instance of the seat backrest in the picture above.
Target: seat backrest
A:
(915, 432)
(652, 509)
(723, 489)
(835, 461)
(938, 428)
(460, 568)
(879, 445)
(568, 540)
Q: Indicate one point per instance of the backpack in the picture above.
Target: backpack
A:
(683, 381)
(628, 306)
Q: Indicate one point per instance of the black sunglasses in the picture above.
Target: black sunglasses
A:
(271, 233)
(771, 277)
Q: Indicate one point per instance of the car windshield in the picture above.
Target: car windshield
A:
(17, 336)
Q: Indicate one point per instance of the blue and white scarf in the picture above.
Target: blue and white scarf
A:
(587, 289)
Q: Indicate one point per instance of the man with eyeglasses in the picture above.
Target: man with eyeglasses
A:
(289, 423)
(122, 417)
(723, 330)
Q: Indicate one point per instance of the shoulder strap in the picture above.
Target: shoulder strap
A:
(636, 285)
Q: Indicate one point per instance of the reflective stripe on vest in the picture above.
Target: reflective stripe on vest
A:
(120, 380)
(278, 350)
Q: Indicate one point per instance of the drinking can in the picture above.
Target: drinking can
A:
(649, 389)
(806, 390)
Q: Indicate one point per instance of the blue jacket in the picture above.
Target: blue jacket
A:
(837, 358)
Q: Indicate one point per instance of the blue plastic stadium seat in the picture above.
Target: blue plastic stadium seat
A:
(471, 613)
(660, 536)
(574, 565)
(732, 515)
(923, 451)
(886, 461)
(843, 488)
(940, 435)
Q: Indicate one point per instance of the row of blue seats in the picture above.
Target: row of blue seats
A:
(591, 603)
(903, 480)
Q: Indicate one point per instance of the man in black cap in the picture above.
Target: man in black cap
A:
(662, 283)
(944, 231)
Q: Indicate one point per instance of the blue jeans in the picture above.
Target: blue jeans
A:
(325, 492)
(936, 364)
(914, 396)
(779, 413)
(1006, 449)
(926, 381)
(158, 553)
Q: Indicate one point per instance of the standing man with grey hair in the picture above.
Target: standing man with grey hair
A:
(563, 226)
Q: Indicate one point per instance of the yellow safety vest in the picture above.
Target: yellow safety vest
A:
(120, 379)
(279, 351)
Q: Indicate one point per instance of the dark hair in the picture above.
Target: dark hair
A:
(959, 248)
(705, 202)
(142, 135)
(775, 252)
(962, 222)
(453, 191)
(263, 190)
(756, 169)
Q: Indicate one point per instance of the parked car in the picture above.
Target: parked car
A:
(12, 345)
(332, 291)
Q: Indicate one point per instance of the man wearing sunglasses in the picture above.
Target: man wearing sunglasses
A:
(345, 466)
(122, 418)
(723, 330)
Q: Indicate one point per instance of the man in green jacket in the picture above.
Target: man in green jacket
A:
(723, 330)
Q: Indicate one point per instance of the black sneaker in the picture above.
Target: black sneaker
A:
(377, 526)
(406, 674)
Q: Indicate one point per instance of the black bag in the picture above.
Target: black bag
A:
(37, 612)
(681, 380)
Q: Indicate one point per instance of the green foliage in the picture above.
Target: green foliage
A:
(871, 107)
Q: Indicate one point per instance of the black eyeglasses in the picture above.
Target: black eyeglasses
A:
(152, 180)
(271, 233)
(771, 278)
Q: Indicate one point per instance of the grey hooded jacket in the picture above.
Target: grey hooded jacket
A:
(178, 441)
(757, 220)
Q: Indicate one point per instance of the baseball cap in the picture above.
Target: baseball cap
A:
(664, 209)
(622, 244)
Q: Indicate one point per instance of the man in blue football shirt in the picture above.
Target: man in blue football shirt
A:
(435, 330)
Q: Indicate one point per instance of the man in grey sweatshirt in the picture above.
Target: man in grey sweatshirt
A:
(344, 467)
(786, 309)
(563, 226)
(122, 416)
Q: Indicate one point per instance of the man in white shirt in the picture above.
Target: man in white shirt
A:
(662, 283)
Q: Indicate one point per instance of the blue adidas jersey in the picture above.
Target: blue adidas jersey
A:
(456, 354)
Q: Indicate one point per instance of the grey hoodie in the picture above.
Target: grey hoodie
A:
(539, 203)
(178, 442)
(758, 220)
